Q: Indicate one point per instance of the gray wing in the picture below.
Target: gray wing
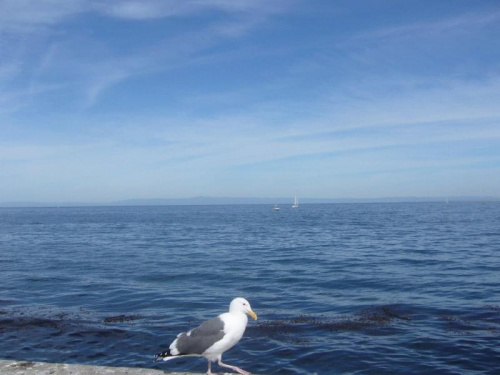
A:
(199, 339)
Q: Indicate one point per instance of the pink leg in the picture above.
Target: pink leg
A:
(209, 372)
(234, 368)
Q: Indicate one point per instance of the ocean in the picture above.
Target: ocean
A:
(397, 288)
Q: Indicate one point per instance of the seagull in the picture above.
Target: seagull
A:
(213, 337)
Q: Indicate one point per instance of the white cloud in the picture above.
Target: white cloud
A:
(15, 99)
(146, 9)
(28, 15)
(36, 55)
(460, 24)
(102, 80)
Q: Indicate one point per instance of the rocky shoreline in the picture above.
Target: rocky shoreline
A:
(42, 368)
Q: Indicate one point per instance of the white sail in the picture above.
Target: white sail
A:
(295, 202)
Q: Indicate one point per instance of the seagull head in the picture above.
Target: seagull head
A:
(242, 305)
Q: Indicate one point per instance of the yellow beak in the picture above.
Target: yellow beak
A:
(252, 314)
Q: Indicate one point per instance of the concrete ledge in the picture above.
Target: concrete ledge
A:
(42, 368)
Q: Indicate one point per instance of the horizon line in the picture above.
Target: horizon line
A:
(209, 200)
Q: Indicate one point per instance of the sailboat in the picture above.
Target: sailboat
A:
(295, 202)
(276, 208)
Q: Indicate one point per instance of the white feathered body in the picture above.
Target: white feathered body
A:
(234, 328)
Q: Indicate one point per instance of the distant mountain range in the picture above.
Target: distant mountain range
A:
(243, 200)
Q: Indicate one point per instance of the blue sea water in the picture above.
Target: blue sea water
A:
(339, 289)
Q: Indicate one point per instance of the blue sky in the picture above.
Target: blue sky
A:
(106, 100)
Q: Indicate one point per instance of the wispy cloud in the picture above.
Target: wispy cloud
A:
(19, 16)
(12, 101)
(147, 9)
(96, 71)
(458, 24)
(27, 15)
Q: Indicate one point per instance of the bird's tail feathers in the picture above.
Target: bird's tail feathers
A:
(165, 356)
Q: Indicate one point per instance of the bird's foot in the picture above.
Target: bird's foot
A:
(234, 368)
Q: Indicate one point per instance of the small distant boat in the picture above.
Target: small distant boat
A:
(295, 202)
(276, 208)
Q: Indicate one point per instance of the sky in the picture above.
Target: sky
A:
(105, 100)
